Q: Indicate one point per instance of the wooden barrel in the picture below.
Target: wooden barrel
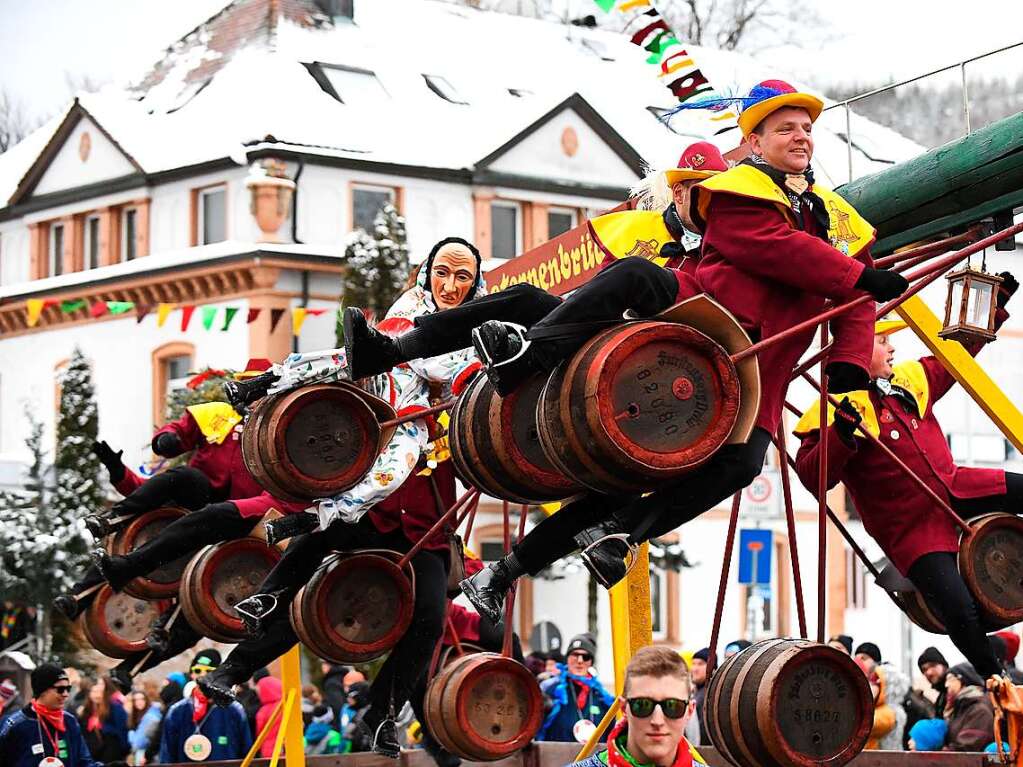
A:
(789, 703)
(640, 403)
(220, 576)
(356, 607)
(116, 624)
(919, 612)
(449, 654)
(495, 445)
(163, 582)
(483, 707)
(991, 563)
(312, 442)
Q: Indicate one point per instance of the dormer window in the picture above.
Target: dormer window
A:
(348, 84)
(444, 89)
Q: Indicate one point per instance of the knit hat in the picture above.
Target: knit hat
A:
(45, 676)
(871, 650)
(843, 639)
(178, 678)
(359, 692)
(967, 674)
(323, 714)
(207, 659)
(703, 654)
(583, 642)
(170, 693)
(998, 647)
(7, 691)
(259, 673)
(929, 734)
(931, 655)
(737, 646)
(1011, 644)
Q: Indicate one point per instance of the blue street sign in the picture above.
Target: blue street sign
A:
(755, 556)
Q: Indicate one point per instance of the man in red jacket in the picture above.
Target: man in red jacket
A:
(919, 539)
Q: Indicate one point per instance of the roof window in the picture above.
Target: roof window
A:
(444, 89)
(348, 84)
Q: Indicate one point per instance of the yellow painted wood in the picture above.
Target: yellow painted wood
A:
(965, 369)
(598, 733)
(262, 735)
(630, 615)
(291, 726)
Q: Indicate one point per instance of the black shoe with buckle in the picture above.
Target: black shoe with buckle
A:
(368, 351)
(505, 353)
(113, 569)
(68, 606)
(98, 526)
(487, 588)
(255, 610)
(607, 551)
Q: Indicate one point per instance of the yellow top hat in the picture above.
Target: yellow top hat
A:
(770, 96)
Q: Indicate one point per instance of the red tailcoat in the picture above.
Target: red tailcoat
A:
(898, 515)
(465, 622)
(414, 508)
(223, 465)
(772, 276)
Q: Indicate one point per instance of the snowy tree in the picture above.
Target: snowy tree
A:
(377, 264)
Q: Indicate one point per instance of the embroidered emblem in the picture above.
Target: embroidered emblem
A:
(886, 416)
(841, 231)
(697, 160)
(645, 248)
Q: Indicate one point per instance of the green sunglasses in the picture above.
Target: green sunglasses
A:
(673, 708)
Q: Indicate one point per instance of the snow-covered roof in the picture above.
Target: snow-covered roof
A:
(213, 94)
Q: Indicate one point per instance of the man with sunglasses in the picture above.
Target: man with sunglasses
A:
(656, 707)
(43, 734)
(578, 699)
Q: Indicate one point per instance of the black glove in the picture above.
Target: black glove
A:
(847, 418)
(167, 444)
(1006, 289)
(882, 284)
(845, 376)
(110, 459)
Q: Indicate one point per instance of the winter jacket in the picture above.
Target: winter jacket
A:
(918, 709)
(110, 742)
(19, 735)
(321, 738)
(141, 737)
(896, 687)
(970, 720)
(884, 716)
(355, 739)
(270, 693)
(225, 727)
(617, 756)
(14, 705)
(565, 711)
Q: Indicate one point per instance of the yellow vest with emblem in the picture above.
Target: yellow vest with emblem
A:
(909, 375)
(216, 420)
(849, 233)
(632, 233)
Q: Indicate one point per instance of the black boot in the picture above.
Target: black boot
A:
(369, 351)
(68, 606)
(243, 393)
(506, 354)
(158, 637)
(121, 679)
(115, 570)
(441, 755)
(607, 551)
(218, 685)
(487, 588)
(257, 609)
(289, 526)
(98, 526)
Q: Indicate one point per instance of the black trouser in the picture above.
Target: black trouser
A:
(182, 636)
(181, 486)
(558, 327)
(936, 576)
(403, 673)
(729, 470)
(215, 523)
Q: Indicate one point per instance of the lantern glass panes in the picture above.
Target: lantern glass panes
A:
(971, 305)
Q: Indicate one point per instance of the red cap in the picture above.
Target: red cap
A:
(698, 161)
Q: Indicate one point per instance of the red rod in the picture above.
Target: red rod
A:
(433, 410)
(726, 567)
(822, 499)
(930, 248)
(447, 515)
(959, 521)
(506, 645)
(790, 520)
(472, 518)
(937, 266)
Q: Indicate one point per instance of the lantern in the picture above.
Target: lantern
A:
(970, 306)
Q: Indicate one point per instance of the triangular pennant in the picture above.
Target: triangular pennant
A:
(229, 312)
(186, 316)
(297, 319)
(275, 317)
(163, 312)
(66, 307)
(141, 310)
(209, 313)
(98, 309)
(120, 307)
(35, 308)
(253, 315)
(315, 312)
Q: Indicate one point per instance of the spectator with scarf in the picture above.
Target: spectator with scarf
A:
(578, 699)
(105, 723)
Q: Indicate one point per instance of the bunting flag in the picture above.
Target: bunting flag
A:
(141, 310)
(98, 309)
(67, 307)
(163, 312)
(297, 319)
(253, 315)
(209, 313)
(275, 317)
(676, 68)
(120, 307)
(186, 316)
(35, 309)
(229, 312)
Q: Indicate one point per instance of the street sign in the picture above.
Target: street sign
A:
(755, 556)
(762, 499)
(545, 637)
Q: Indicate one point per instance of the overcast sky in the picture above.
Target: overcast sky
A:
(862, 40)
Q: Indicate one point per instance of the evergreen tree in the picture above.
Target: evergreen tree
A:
(377, 265)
